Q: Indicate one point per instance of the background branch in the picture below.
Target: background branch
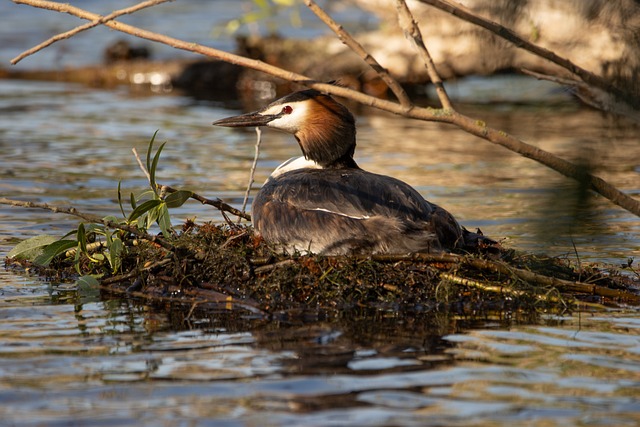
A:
(465, 14)
(412, 32)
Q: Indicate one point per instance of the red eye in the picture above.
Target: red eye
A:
(287, 110)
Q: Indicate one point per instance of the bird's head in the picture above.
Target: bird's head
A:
(324, 128)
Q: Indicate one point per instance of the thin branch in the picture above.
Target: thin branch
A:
(91, 218)
(85, 27)
(475, 127)
(353, 44)
(413, 33)
(465, 14)
(253, 170)
(134, 273)
(216, 203)
(142, 166)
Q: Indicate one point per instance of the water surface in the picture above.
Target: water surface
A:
(72, 356)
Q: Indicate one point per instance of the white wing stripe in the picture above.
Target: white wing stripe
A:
(341, 214)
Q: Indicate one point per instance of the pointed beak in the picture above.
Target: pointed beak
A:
(250, 119)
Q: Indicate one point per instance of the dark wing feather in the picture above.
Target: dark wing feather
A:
(349, 192)
(350, 210)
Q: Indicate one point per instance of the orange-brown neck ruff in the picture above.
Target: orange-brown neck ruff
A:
(328, 135)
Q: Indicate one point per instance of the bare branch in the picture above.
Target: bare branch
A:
(87, 26)
(216, 203)
(353, 44)
(142, 166)
(465, 14)
(412, 32)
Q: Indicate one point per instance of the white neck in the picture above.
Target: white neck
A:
(293, 164)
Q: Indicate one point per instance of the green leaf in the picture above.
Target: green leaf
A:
(82, 238)
(132, 200)
(53, 250)
(31, 248)
(120, 200)
(154, 214)
(177, 199)
(110, 218)
(97, 257)
(150, 149)
(144, 208)
(94, 228)
(164, 221)
(76, 259)
(88, 282)
(108, 236)
(154, 166)
(115, 253)
(88, 288)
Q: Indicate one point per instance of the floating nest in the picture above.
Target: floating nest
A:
(229, 267)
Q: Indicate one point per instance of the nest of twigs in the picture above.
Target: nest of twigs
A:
(228, 266)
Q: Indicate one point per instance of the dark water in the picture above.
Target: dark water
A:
(71, 356)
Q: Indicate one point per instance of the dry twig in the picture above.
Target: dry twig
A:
(253, 170)
(216, 203)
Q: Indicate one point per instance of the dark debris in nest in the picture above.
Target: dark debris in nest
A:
(221, 266)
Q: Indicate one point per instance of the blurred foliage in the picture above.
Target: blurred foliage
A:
(262, 11)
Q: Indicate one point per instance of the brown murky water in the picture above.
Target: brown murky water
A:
(70, 356)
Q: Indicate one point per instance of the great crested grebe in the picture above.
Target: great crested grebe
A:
(325, 204)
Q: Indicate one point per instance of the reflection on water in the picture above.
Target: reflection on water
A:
(117, 363)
